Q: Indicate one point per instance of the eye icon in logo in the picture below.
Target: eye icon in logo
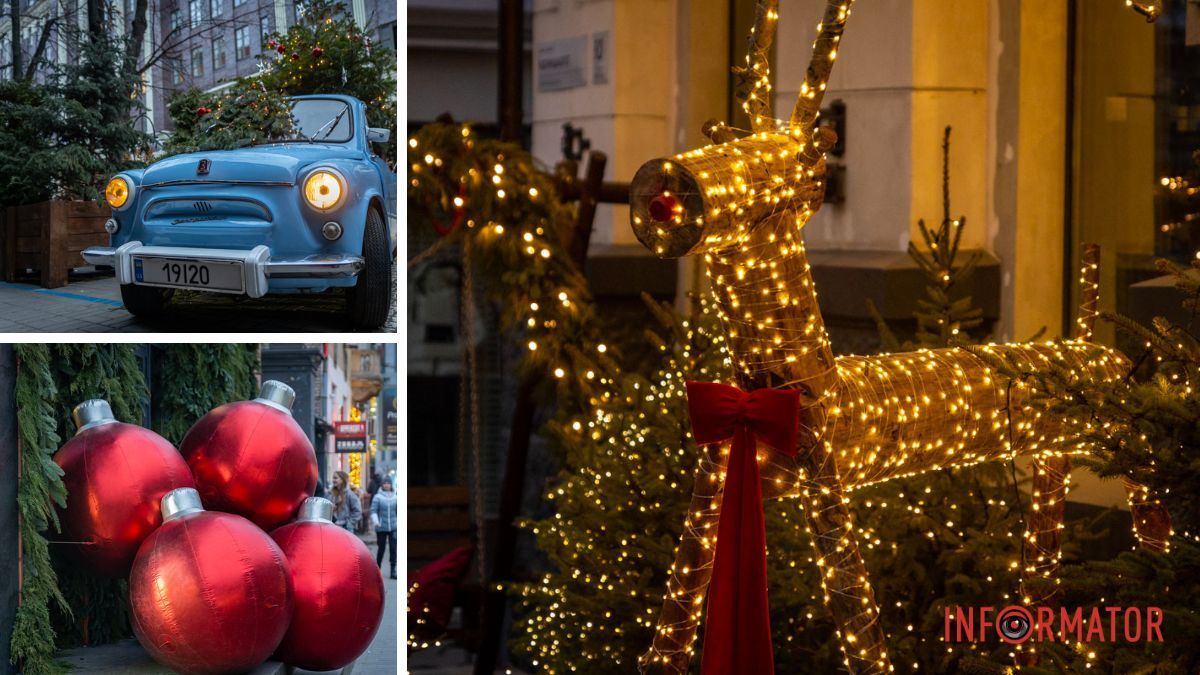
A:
(1014, 624)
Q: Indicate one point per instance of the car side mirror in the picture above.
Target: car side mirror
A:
(378, 135)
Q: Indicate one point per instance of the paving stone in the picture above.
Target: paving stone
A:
(92, 303)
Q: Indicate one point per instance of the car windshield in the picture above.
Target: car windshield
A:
(322, 120)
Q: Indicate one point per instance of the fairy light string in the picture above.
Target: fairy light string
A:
(867, 419)
(742, 205)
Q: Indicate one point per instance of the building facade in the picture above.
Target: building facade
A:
(200, 44)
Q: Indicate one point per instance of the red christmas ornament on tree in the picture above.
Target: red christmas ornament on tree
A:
(317, 51)
(338, 591)
(209, 593)
(252, 459)
(115, 474)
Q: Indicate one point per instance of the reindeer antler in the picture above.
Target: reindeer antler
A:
(756, 74)
(812, 90)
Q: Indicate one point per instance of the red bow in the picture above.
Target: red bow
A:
(737, 625)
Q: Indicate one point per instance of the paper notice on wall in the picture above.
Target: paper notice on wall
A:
(561, 64)
(600, 59)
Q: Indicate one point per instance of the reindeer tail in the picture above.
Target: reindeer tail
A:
(1089, 292)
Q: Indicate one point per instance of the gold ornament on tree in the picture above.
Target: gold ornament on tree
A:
(741, 204)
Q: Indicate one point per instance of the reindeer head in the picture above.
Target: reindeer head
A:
(719, 195)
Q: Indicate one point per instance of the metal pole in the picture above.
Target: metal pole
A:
(512, 67)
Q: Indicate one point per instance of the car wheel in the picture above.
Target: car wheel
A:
(371, 297)
(145, 301)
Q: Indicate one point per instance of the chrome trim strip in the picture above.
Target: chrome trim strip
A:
(190, 181)
(330, 266)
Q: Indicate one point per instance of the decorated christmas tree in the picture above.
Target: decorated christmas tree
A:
(243, 114)
(326, 52)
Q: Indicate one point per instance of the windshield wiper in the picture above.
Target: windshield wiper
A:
(331, 125)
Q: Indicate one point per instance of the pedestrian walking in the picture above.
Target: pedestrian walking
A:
(383, 517)
(373, 486)
(347, 511)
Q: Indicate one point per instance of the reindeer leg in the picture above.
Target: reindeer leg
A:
(844, 578)
(687, 583)
(1151, 522)
(1043, 535)
(1042, 546)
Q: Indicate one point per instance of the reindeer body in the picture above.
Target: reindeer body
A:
(863, 419)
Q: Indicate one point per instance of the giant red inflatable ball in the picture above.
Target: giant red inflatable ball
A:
(115, 474)
(252, 459)
(210, 593)
(338, 591)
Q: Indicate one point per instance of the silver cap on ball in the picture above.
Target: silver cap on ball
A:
(277, 395)
(316, 509)
(92, 413)
(180, 502)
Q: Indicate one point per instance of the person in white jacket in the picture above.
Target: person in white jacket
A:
(383, 517)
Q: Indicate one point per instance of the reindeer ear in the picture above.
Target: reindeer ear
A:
(826, 137)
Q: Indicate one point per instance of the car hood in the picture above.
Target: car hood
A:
(277, 163)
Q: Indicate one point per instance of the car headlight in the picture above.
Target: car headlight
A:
(118, 192)
(322, 189)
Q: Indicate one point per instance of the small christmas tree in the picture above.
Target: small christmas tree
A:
(941, 319)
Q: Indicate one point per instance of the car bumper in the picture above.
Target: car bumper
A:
(257, 264)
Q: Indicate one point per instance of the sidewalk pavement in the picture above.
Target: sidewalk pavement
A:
(381, 657)
(92, 304)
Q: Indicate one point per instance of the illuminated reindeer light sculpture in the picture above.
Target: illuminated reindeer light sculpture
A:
(741, 203)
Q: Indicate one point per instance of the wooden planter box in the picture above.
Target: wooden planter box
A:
(48, 237)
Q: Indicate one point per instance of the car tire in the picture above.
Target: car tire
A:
(145, 301)
(371, 298)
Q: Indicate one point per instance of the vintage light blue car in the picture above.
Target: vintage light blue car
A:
(298, 215)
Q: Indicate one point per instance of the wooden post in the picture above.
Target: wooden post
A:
(520, 433)
(512, 66)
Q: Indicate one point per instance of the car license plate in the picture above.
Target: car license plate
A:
(208, 275)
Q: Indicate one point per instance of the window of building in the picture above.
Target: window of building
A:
(241, 42)
(197, 62)
(196, 10)
(175, 18)
(238, 3)
(1138, 199)
(217, 7)
(218, 47)
(264, 25)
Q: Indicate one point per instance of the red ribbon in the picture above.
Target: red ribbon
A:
(737, 624)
